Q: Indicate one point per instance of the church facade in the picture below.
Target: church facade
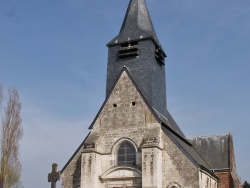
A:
(133, 141)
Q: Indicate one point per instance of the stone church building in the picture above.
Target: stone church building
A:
(133, 141)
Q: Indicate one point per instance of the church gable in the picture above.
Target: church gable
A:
(125, 114)
(124, 107)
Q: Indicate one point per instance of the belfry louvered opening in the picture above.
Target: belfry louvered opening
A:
(159, 56)
(128, 50)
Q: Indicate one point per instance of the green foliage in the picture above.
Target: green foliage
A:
(246, 185)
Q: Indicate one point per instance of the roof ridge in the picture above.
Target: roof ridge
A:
(208, 136)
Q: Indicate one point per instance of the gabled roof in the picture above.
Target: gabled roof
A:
(169, 127)
(214, 149)
(190, 151)
(170, 122)
(167, 121)
(137, 24)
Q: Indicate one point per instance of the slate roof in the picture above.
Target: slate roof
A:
(170, 122)
(187, 148)
(147, 70)
(214, 149)
(137, 24)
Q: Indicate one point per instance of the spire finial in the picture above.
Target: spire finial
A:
(137, 24)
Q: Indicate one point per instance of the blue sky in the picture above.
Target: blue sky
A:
(54, 53)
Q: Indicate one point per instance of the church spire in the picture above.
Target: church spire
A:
(137, 24)
(137, 48)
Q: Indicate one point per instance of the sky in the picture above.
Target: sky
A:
(54, 52)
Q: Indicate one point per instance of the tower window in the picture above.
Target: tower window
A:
(126, 154)
(128, 50)
(159, 56)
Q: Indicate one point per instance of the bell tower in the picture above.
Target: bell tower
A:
(137, 48)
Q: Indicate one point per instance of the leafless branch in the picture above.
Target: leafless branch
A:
(12, 132)
(1, 97)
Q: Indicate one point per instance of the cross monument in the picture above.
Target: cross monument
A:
(1, 181)
(54, 176)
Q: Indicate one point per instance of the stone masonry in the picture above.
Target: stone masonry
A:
(126, 116)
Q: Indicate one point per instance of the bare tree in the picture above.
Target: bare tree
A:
(1, 97)
(11, 134)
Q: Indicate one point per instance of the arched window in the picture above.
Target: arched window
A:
(126, 154)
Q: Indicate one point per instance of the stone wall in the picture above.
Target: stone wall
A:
(177, 167)
(151, 167)
(71, 176)
(206, 180)
(91, 169)
(125, 114)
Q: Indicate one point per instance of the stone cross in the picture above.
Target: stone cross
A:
(54, 176)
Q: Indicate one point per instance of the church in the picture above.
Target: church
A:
(134, 142)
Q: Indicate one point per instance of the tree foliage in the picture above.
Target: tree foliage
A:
(11, 134)
(246, 185)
